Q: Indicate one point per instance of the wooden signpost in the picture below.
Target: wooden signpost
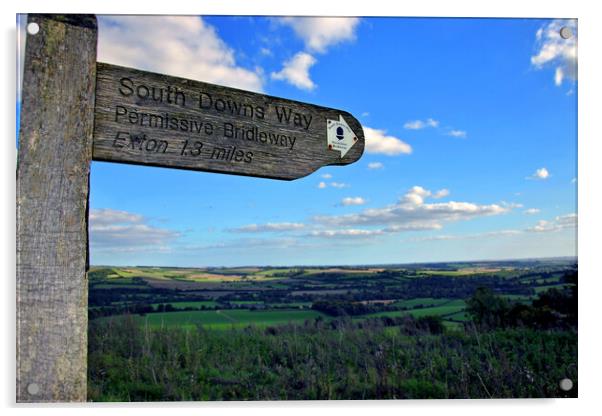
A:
(75, 110)
(158, 120)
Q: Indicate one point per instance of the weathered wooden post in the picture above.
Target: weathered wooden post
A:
(55, 150)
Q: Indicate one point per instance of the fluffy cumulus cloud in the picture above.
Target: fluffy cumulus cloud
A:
(114, 230)
(378, 142)
(419, 124)
(353, 200)
(320, 33)
(414, 212)
(540, 174)
(552, 50)
(532, 211)
(296, 71)
(184, 46)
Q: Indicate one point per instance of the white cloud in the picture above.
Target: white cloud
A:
(553, 50)
(414, 125)
(184, 46)
(269, 227)
(244, 244)
(339, 185)
(457, 133)
(327, 176)
(441, 193)
(349, 232)
(413, 212)
(396, 228)
(378, 142)
(375, 165)
(558, 76)
(319, 33)
(296, 71)
(368, 233)
(107, 216)
(417, 194)
(561, 222)
(432, 123)
(500, 233)
(540, 174)
(419, 124)
(113, 230)
(532, 211)
(357, 200)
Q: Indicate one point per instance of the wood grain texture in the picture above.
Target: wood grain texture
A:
(151, 119)
(55, 150)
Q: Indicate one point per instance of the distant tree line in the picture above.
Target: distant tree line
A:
(554, 308)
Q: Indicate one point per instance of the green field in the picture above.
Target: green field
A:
(291, 305)
(228, 318)
(246, 302)
(117, 286)
(461, 316)
(448, 308)
(425, 302)
(541, 289)
(460, 272)
(518, 298)
(442, 310)
(194, 304)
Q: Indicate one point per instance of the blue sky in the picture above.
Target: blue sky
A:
(471, 153)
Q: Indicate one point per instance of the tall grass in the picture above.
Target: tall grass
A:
(324, 360)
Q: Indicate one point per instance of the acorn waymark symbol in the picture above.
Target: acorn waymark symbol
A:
(340, 136)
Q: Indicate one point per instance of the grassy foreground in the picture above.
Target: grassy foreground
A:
(338, 359)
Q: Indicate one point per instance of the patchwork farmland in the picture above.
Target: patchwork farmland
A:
(273, 296)
(264, 333)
